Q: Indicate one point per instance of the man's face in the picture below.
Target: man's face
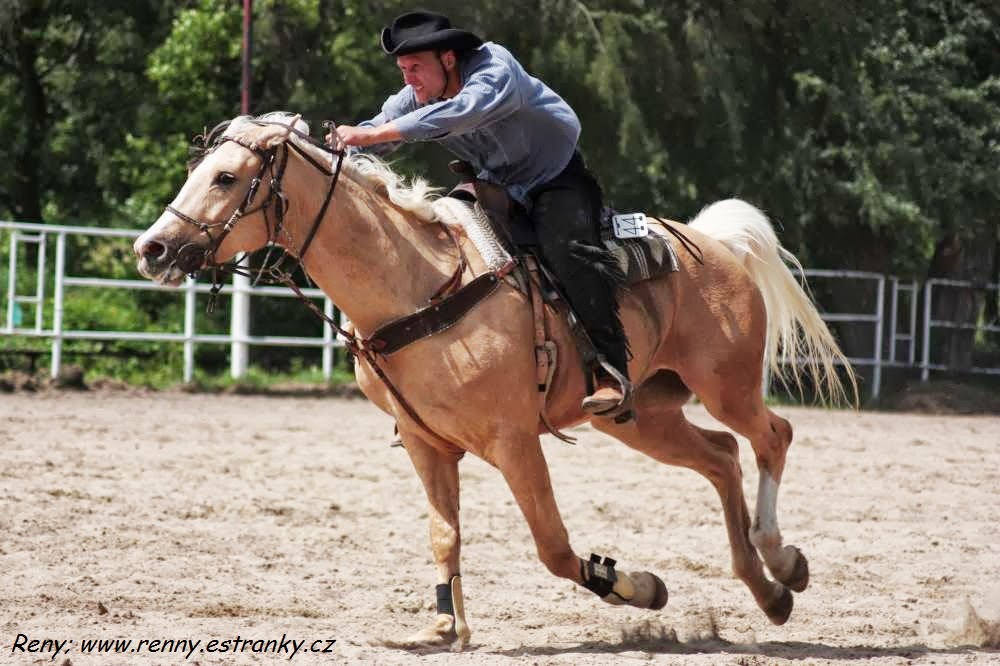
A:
(424, 73)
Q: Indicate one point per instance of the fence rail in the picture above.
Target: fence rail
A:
(239, 337)
(930, 324)
(875, 318)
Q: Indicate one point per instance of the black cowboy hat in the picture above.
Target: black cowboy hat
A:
(425, 31)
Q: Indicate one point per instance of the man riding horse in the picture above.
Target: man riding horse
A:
(478, 102)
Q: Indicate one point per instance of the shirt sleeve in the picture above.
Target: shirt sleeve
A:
(394, 107)
(491, 94)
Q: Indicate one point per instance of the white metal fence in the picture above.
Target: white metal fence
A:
(902, 301)
(930, 324)
(876, 318)
(239, 336)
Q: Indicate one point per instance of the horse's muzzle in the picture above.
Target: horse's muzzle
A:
(164, 262)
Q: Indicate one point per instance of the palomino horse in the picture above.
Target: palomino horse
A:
(380, 254)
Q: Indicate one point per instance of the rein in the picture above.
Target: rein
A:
(359, 348)
(686, 242)
(191, 260)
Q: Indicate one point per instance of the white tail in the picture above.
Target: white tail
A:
(794, 327)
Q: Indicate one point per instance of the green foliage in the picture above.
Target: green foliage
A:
(197, 67)
(153, 167)
(102, 309)
(262, 379)
(902, 146)
(66, 69)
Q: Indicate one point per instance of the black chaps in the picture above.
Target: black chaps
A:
(568, 209)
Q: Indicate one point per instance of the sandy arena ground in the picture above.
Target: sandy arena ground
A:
(170, 516)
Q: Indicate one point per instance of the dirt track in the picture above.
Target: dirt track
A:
(170, 516)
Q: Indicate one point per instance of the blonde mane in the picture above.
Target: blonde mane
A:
(367, 170)
(416, 197)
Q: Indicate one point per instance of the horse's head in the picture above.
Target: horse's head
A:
(229, 204)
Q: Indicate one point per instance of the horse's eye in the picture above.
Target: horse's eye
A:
(225, 179)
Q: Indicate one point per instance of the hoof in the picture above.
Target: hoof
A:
(441, 634)
(660, 600)
(642, 590)
(780, 608)
(798, 581)
(650, 592)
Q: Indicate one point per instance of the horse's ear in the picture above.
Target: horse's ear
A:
(281, 132)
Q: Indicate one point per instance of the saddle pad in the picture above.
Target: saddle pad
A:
(638, 258)
(478, 228)
(643, 258)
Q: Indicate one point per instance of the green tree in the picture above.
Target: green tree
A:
(65, 68)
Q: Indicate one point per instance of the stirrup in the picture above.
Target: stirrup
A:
(622, 411)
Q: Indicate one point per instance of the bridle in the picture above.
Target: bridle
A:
(192, 256)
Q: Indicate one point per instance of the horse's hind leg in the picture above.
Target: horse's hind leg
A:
(770, 438)
(743, 410)
(521, 461)
(661, 431)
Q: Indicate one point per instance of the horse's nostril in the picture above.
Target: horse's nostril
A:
(153, 250)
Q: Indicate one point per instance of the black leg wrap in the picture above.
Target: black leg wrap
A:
(599, 577)
(445, 606)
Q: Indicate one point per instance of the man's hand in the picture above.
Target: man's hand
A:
(352, 135)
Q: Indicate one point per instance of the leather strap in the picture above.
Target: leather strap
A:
(542, 360)
(688, 244)
(545, 349)
(434, 318)
(456, 277)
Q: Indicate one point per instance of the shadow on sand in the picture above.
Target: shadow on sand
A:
(657, 639)
(661, 640)
(791, 650)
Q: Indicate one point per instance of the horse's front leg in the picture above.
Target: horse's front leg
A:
(439, 473)
(524, 468)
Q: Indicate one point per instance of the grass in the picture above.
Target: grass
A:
(298, 379)
(258, 380)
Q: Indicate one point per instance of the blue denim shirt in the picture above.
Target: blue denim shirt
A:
(510, 126)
